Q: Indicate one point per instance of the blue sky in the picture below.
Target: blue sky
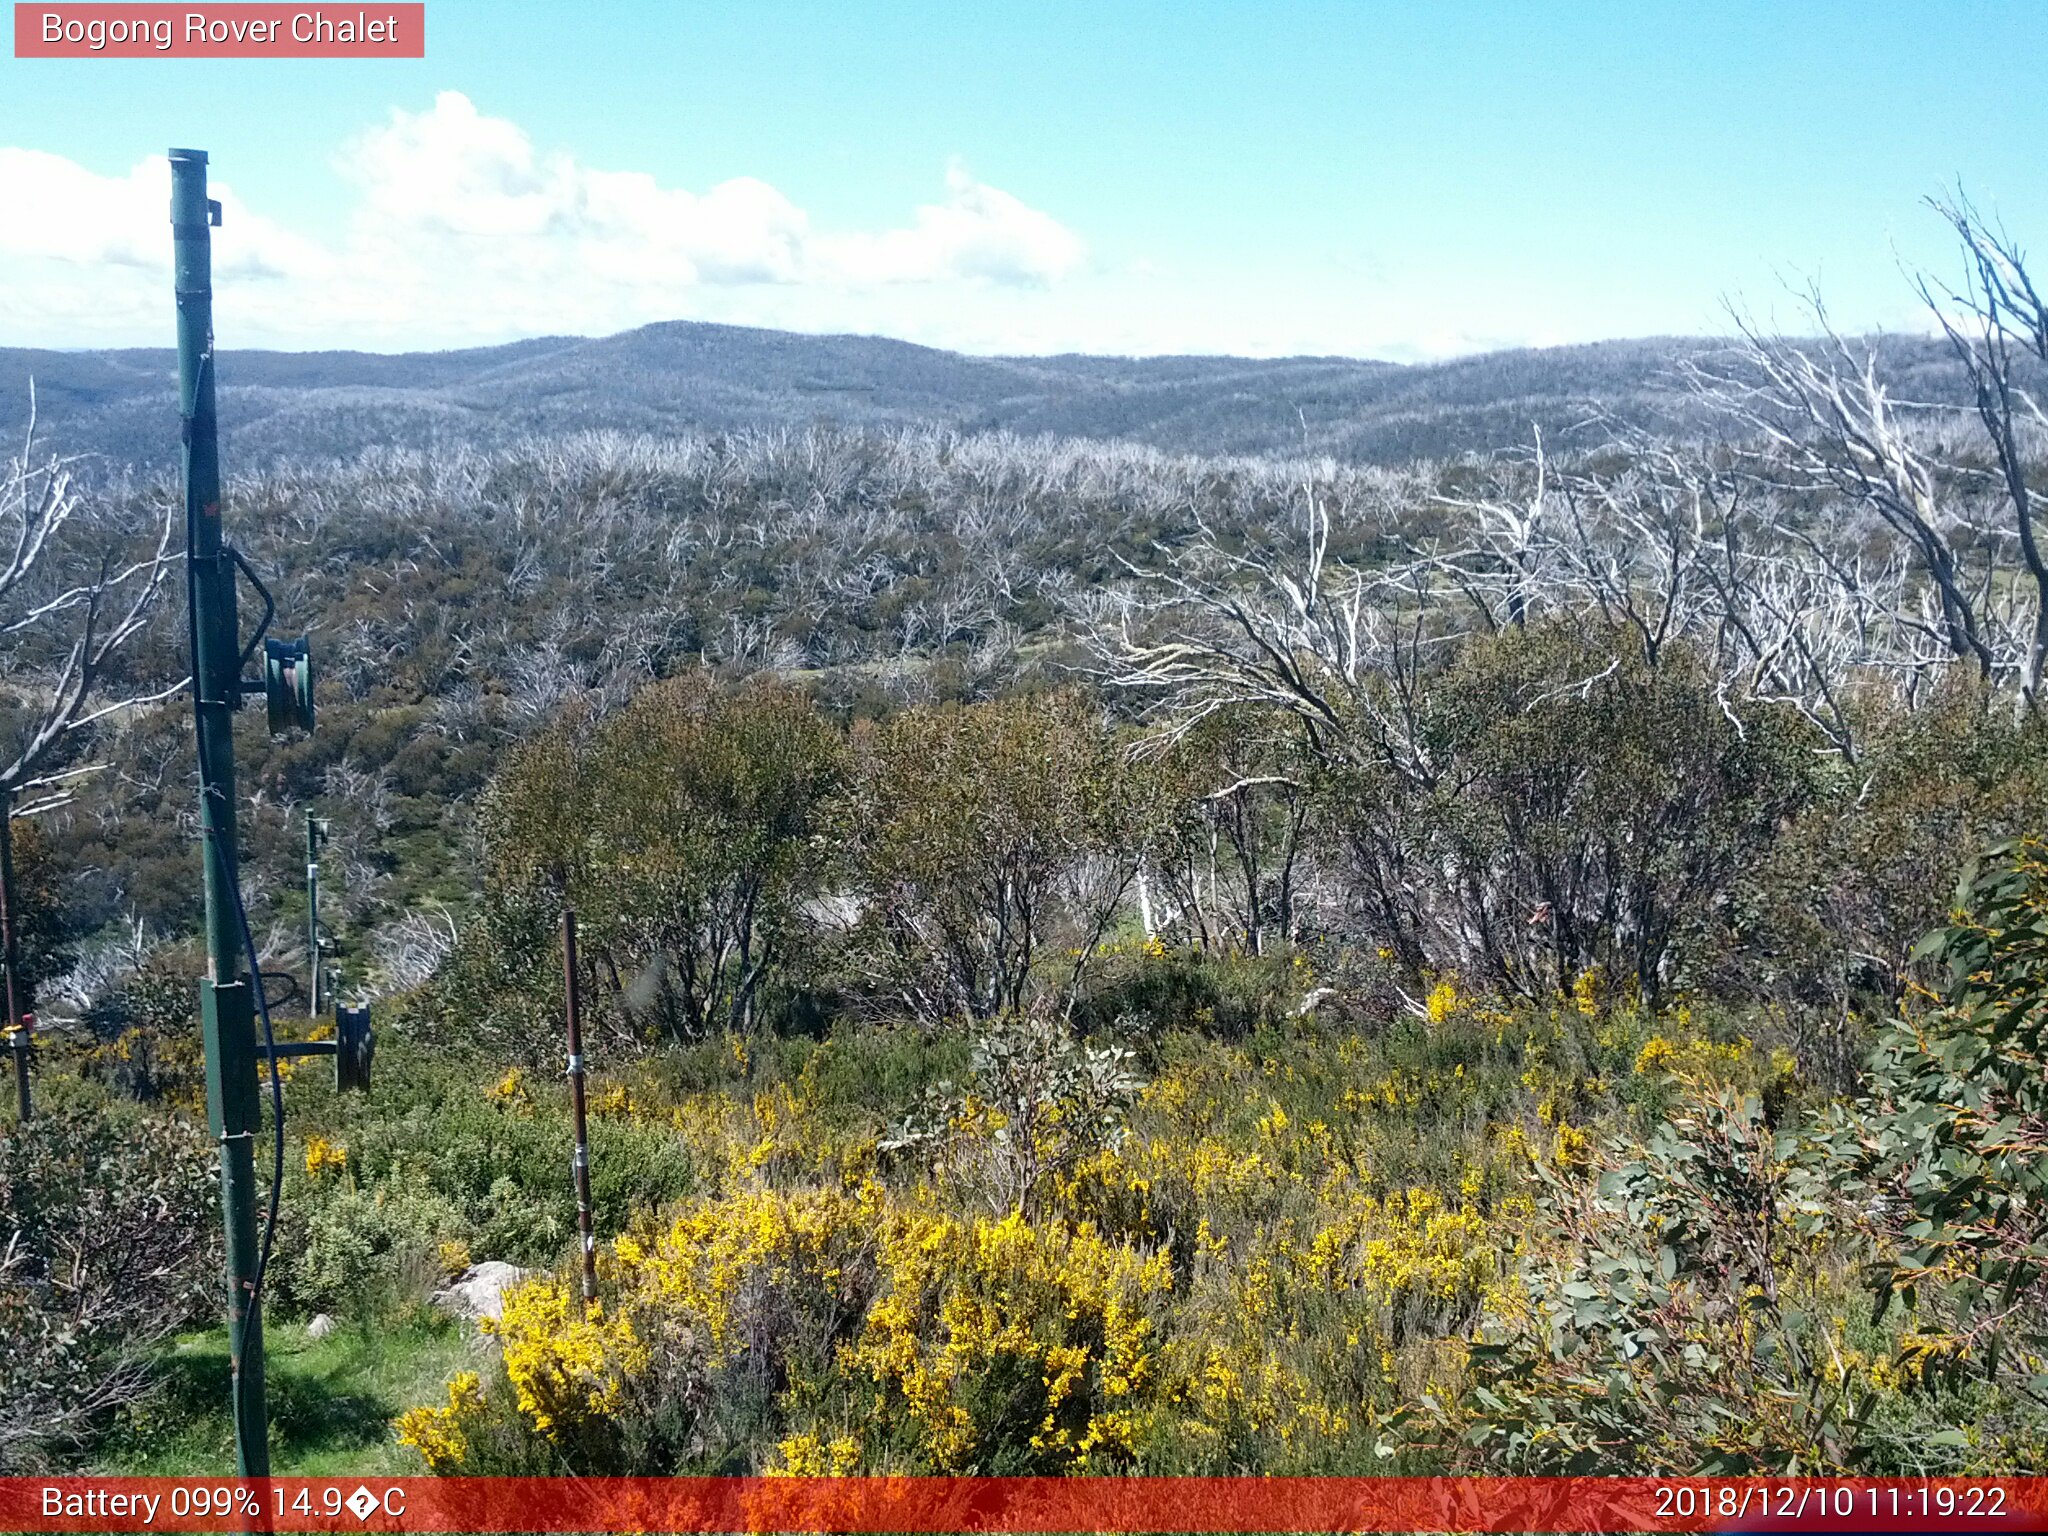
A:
(1403, 181)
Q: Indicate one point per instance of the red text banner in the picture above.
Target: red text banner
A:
(1037, 1505)
(232, 31)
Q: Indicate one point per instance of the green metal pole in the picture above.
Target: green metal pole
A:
(226, 1006)
(313, 912)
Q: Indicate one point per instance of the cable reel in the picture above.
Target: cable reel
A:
(287, 681)
(288, 684)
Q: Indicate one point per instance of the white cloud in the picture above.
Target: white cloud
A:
(458, 230)
(453, 175)
(71, 215)
(461, 230)
(977, 232)
(462, 181)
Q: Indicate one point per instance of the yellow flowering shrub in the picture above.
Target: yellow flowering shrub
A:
(323, 1155)
(441, 1435)
(1697, 1062)
(982, 1320)
(1587, 992)
(745, 1270)
(453, 1257)
(566, 1367)
(1443, 1001)
(808, 1456)
(1282, 1257)
(777, 1133)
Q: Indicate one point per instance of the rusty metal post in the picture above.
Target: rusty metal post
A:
(316, 834)
(572, 993)
(10, 958)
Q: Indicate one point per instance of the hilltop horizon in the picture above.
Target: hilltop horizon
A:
(677, 377)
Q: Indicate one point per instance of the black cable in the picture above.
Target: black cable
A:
(276, 1087)
(233, 880)
(253, 1310)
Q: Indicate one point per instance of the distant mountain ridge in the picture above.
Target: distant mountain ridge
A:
(687, 376)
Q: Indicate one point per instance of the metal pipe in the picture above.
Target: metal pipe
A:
(227, 1010)
(297, 1048)
(572, 991)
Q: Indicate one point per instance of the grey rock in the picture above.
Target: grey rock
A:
(479, 1291)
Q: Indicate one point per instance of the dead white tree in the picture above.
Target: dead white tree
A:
(1929, 537)
(1279, 625)
(76, 587)
(406, 953)
(1501, 540)
(1996, 324)
(1826, 420)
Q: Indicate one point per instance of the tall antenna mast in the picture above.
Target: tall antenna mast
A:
(226, 1008)
(229, 1003)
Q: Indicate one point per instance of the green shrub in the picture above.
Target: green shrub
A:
(1944, 1152)
(1036, 1101)
(1567, 803)
(1149, 989)
(106, 1220)
(683, 829)
(362, 1249)
(479, 1152)
(1653, 1332)
(991, 848)
(1850, 885)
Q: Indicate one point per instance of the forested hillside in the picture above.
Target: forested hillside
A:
(663, 379)
(1097, 956)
